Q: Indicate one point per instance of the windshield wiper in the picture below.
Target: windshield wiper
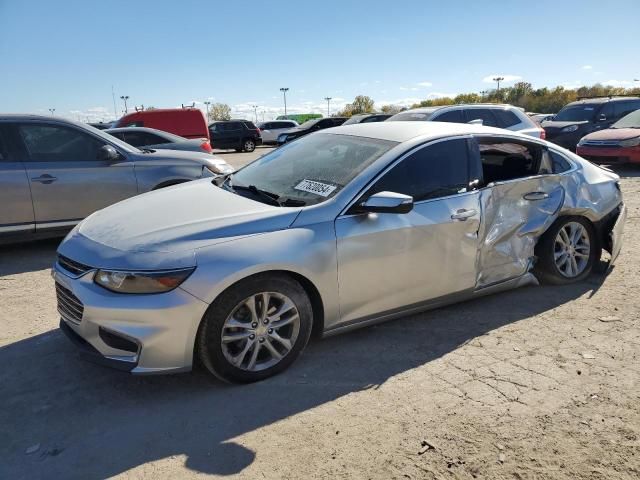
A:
(268, 196)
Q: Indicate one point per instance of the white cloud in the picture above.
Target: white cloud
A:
(587, 67)
(618, 83)
(440, 95)
(409, 89)
(425, 84)
(505, 78)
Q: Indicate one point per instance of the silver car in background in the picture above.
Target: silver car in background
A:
(55, 172)
(339, 229)
(270, 130)
(487, 114)
(158, 140)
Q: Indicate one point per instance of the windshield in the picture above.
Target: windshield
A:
(412, 116)
(629, 121)
(309, 123)
(578, 113)
(311, 169)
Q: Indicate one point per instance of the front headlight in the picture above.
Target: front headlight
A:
(141, 282)
(581, 142)
(220, 168)
(631, 142)
(570, 128)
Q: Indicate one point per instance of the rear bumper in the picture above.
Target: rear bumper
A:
(616, 234)
(610, 154)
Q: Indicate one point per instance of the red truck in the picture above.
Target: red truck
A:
(186, 122)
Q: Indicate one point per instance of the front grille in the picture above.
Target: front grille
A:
(71, 266)
(601, 143)
(69, 306)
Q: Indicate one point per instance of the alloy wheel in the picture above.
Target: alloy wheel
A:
(260, 331)
(572, 248)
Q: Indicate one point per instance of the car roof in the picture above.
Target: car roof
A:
(599, 100)
(405, 131)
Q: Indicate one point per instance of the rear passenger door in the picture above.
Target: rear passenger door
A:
(16, 209)
(68, 181)
(520, 198)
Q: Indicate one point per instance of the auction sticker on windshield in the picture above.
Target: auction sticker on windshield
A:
(322, 189)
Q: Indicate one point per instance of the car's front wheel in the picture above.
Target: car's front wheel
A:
(249, 145)
(255, 329)
(567, 251)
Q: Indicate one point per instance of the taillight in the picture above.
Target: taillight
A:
(543, 134)
(206, 146)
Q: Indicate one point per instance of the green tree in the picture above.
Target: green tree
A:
(361, 104)
(391, 109)
(220, 111)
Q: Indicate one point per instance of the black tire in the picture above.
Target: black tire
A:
(546, 269)
(248, 145)
(209, 338)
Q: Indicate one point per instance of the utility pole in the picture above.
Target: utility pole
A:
(284, 91)
(263, 115)
(207, 103)
(498, 80)
(255, 111)
(52, 110)
(328, 99)
(482, 94)
(125, 98)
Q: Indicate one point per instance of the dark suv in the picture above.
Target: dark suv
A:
(241, 135)
(587, 115)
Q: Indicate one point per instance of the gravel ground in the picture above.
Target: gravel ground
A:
(537, 383)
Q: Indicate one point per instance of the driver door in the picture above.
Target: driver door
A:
(67, 180)
(388, 261)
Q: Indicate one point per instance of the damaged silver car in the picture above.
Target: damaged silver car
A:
(339, 229)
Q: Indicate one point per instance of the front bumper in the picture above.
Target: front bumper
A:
(610, 155)
(160, 327)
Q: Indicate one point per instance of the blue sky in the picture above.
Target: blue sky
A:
(67, 54)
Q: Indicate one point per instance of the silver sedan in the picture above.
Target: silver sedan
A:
(337, 230)
(154, 139)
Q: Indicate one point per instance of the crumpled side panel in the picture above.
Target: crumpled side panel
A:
(511, 226)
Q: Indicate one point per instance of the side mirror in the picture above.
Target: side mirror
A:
(602, 117)
(108, 154)
(387, 202)
(477, 121)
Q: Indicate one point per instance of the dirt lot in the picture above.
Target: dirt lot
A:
(533, 383)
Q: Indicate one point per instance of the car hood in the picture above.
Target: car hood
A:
(613, 134)
(558, 125)
(183, 218)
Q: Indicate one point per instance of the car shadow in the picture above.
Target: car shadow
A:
(625, 171)
(27, 256)
(94, 423)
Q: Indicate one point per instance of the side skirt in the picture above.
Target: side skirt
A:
(526, 279)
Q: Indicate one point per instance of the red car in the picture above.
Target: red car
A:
(619, 143)
(186, 122)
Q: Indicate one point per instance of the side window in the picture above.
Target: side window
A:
(484, 114)
(607, 111)
(506, 118)
(452, 116)
(508, 160)
(232, 126)
(438, 170)
(137, 139)
(53, 143)
(4, 148)
(559, 163)
(624, 108)
(118, 135)
(153, 139)
(327, 123)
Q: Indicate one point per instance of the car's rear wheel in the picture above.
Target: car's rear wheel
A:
(567, 251)
(249, 145)
(255, 329)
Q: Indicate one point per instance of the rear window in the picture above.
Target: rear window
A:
(576, 113)
(453, 116)
(250, 125)
(413, 116)
(486, 115)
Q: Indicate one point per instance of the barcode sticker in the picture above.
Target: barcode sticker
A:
(322, 189)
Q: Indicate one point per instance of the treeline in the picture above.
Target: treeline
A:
(540, 100)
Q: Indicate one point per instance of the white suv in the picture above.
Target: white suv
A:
(487, 114)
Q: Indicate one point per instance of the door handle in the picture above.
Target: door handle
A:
(46, 179)
(535, 196)
(463, 214)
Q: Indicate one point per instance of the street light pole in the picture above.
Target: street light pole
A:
(255, 111)
(328, 99)
(284, 91)
(482, 94)
(52, 110)
(207, 103)
(498, 79)
(125, 98)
